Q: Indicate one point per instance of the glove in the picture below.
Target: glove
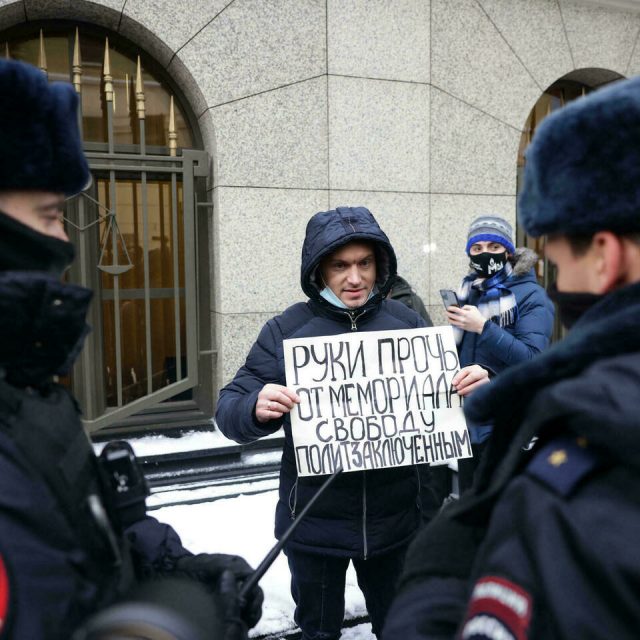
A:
(228, 605)
(209, 568)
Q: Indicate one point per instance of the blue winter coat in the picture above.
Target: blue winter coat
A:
(497, 348)
(556, 536)
(362, 513)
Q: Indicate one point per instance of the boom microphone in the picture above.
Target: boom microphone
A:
(255, 577)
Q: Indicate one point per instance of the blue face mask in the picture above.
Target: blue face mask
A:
(333, 299)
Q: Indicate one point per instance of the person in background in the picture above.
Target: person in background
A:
(545, 546)
(403, 292)
(504, 317)
(365, 517)
(72, 544)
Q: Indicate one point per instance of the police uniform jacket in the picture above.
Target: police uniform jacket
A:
(363, 513)
(62, 554)
(551, 536)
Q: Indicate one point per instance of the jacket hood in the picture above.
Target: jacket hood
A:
(523, 261)
(329, 230)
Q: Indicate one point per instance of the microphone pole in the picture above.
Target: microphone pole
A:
(255, 577)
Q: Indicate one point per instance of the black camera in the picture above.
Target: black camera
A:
(126, 485)
(164, 609)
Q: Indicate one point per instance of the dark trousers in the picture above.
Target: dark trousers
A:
(435, 487)
(317, 587)
(467, 467)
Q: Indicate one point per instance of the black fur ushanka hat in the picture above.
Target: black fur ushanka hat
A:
(40, 146)
(583, 166)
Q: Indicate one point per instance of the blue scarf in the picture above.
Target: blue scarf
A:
(497, 303)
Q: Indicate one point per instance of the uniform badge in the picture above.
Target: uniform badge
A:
(498, 610)
(4, 595)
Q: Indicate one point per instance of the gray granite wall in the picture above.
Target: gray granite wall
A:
(413, 108)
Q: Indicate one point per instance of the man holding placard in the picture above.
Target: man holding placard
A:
(546, 543)
(372, 392)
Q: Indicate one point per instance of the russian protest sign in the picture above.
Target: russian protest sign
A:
(375, 399)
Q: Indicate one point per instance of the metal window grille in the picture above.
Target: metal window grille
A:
(135, 237)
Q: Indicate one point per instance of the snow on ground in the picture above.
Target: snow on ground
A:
(244, 526)
(195, 440)
(361, 632)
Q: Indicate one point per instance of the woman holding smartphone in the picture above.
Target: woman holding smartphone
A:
(502, 316)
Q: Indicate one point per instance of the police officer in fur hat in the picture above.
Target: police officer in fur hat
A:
(547, 546)
(67, 549)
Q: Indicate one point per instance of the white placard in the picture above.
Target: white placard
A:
(375, 399)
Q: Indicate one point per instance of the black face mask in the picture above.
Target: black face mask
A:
(571, 305)
(488, 264)
(24, 249)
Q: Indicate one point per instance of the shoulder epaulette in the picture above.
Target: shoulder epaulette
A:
(564, 462)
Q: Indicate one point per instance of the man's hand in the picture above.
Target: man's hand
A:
(467, 318)
(274, 401)
(469, 378)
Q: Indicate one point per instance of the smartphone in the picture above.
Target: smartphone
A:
(449, 298)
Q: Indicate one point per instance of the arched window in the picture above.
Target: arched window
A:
(134, 228)
(571, 87)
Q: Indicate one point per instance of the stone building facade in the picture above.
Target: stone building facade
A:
(413, 108)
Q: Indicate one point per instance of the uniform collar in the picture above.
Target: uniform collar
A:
(42, 326)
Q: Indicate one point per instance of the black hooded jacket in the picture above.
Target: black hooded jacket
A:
(363, 513)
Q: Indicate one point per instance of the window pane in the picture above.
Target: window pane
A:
(165, 255)
(58, 45)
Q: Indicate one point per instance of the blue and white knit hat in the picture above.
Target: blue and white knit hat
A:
(491, 229)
